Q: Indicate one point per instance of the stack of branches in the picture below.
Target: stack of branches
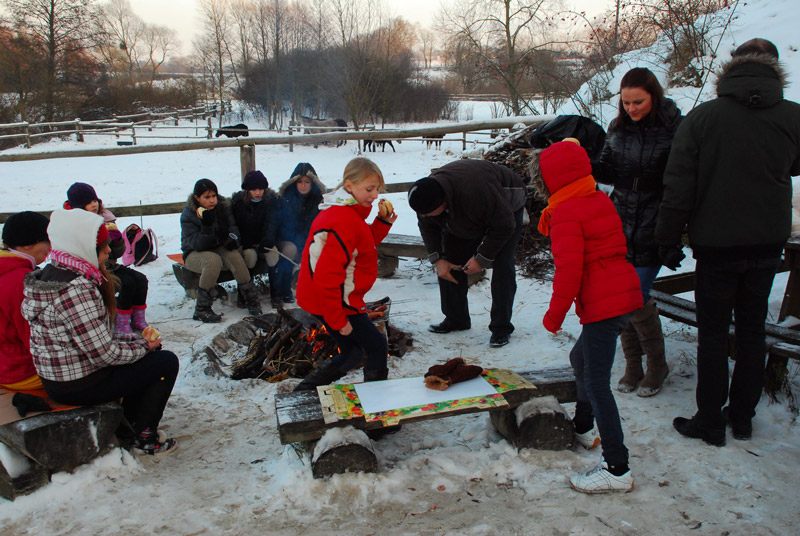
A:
(533, 251)
(287, 350)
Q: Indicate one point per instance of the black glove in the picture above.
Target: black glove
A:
(26, 403)
(209, 217)
(671, 256)
(231, 243)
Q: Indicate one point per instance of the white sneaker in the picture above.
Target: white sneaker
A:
(600, 480)
(588, 440)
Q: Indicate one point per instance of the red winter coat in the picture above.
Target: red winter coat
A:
(340, 263)
(589, 249)
(16, 362)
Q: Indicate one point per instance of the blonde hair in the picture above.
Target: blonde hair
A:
(361, 168)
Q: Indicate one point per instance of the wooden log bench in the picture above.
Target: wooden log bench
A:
(322, 416)
(44, 443)
(395, 246)
(782, 343)
(190, 280)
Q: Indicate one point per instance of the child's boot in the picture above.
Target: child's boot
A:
(122, 323)
(138, 321)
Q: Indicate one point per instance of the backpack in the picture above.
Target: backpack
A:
(141, 246)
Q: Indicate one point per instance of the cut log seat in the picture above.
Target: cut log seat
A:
(190, 280)
(300, 415)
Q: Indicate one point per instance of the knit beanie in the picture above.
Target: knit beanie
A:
(80, 194)
(25, 229)
(102, 236)
(562, 163)
(255, 180)
(425, 195)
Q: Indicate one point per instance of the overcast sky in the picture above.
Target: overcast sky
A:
(182, 15)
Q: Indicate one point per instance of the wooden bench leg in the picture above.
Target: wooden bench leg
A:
(540, 423)
(31, 478)
(387, 265)
(343, 450)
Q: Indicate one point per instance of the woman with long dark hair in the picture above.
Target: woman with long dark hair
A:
(633, 161)
(210, 244)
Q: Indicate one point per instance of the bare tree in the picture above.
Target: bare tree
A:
(60, 26)
(501, 35)
(158, 43)
(213, 47)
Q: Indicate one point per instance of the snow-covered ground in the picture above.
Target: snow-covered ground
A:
(231, 475)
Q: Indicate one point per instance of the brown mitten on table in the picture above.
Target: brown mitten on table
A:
(440, 377)
(464, 373)
(445, 370)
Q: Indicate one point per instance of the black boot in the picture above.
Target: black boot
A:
(250, 294)
(377, 375)
(325, 374)
(202, 309)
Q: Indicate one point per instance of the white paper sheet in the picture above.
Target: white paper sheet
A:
(407, 392)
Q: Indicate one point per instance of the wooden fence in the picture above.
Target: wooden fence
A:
(247, 152)
(113, 126)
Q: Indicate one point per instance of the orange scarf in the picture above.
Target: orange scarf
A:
(579, 188)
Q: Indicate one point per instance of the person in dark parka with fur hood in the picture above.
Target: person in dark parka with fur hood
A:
(729, 179)
(298, 204)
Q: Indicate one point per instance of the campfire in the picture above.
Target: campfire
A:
(291, 343)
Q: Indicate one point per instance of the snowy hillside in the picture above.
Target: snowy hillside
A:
(455, 476)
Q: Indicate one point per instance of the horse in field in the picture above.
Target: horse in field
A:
(233, 131)
(320, 126)
(435, 140)
(371, 145)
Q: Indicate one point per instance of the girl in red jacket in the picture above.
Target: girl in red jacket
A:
(589, 250)
(339, 266)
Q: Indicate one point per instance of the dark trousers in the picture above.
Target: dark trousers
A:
(144, 387)
(364, 339)
(455, 305)
(741, 286)
(280, 279)
(591, 359)
(133, 290)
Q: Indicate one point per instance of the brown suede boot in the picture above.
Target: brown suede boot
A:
(651, 338)
(629, 339)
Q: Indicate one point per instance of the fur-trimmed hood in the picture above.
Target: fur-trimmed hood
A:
(307, 170)
(537, 181)
(755, 80)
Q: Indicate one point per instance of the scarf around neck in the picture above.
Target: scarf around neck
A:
(92, 273)
(580, 188)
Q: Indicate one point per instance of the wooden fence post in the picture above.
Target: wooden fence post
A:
(291, 145)
(209, 128)
(464, 142)
(247, 156)
(78, 131)
(28, 135)
(133, 134)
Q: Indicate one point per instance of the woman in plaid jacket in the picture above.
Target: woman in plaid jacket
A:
(70, 306)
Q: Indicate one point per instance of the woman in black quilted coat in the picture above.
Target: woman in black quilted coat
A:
(633, 161)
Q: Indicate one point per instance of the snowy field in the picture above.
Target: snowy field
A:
(454, 476)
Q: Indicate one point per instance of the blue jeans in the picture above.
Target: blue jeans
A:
(647, 275)
(722, 286)
(364, 339)
(591, 359)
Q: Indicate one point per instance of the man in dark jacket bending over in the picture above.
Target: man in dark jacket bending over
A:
(470, 218)
(729, 179)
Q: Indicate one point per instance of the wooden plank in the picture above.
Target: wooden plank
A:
(399, 245)
(675, 283)
(301, 416)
